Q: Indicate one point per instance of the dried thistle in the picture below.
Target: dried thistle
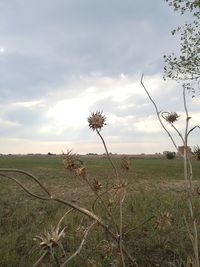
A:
(50, 239)
(80, 171)
(125, 163)
(96, 120)
(171, 117)
(69, 160)
(97, 185)
(73, 164)
(164, 220)
(119, 187)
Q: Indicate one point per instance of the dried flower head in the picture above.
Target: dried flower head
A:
(73, 164)
(50, 239)
(96, 120)
(171, 117)
(97, 185)
(125, 163)
(164, 220)
(69, 160)
(80, 171)
(119, 187)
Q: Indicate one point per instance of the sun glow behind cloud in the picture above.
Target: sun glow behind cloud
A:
(73, 112)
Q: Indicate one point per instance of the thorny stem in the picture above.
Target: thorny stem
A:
(107, 153)
(188, 179)
(103, 203)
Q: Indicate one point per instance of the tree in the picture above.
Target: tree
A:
(185, 67)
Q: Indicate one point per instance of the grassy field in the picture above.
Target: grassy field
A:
(154, 186)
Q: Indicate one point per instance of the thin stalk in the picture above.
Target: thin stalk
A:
(40, 259)
(157, 112)
(103, 203)
(188, 179)
(120, 201)
(107, 153)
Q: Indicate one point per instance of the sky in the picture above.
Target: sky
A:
(61, 60)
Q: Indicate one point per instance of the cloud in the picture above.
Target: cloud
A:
(61, 60)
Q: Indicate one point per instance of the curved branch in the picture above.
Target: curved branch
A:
(192, 129)
(29, 175)
(24, 188)
(157, 112)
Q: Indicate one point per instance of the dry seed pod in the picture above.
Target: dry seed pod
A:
(171, 117)
(96, 120)
(125, 163)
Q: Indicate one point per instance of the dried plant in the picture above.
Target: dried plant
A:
(126, 164)
(73, 164)
(170, 117)
(96, 120)
(188, 172)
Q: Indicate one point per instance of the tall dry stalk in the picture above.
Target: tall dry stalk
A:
(171, 118)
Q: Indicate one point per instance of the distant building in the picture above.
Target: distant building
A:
(181, 151)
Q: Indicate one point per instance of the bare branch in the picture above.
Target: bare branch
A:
(29, 175)
(157, 112)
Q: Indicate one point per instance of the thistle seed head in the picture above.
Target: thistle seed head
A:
(171, 117)
(125, 163)
(80, 171)
(96, 120)
(73, 164)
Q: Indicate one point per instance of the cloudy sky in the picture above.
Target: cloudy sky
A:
(61, 60)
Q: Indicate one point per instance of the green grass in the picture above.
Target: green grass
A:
(154, 186)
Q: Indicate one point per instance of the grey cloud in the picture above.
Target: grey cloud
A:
(48, 42)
